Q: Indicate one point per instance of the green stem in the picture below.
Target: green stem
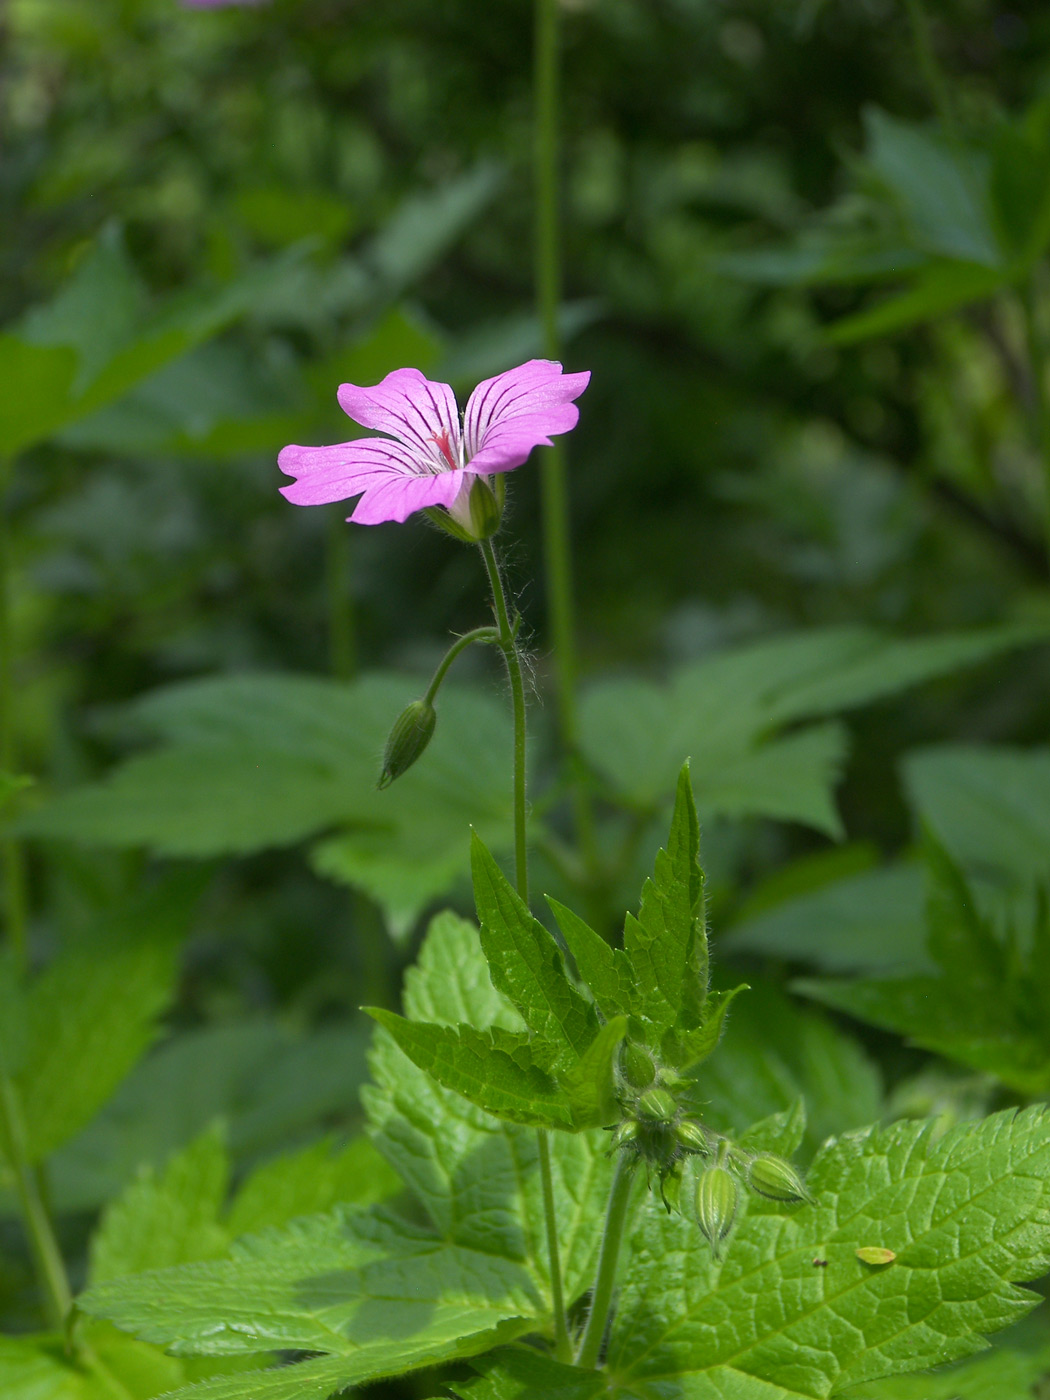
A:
(509, 646)
(15, 904)
(342, 652)
(51, 1271)
(562, 1344)
(1036, 344)
(479, 634)
(557, 550)
(612, 1238)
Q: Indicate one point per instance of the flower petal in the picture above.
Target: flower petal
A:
(415, 410)
(509, 415)
(386, 475)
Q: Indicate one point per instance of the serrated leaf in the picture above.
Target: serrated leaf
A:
(590, 1084)
(1010, 1371)
(167, 1218)
(965, 1217)
(667, 943)
(687, 1049)
(527, 966)
(367, 1286)
(492, 1068)
(781, 1133)
(477, 1176)
(603, 968)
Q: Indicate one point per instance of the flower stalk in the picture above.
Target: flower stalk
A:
(612, 1238)
(13, 857)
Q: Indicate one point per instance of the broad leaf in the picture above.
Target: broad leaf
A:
(527, 966)
(965, 1217)
(605, 970)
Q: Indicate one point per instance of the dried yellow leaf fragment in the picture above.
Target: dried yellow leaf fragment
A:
(874, 1254)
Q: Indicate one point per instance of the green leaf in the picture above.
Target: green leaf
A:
(165, 1219)
(383, 1295)
(965, 1216)
(492, 1068)
(590, 1085)
(943, 288)
(522, 1373)
(604, 969)
(872, 921)
(527, 966)
(251, 762)
(781, 1133)
(92, 1013)
(38, 379)
(1011, 1370)
(477, 1176)
(667, 943)
(687, 1049)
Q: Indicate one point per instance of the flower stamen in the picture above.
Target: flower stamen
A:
(445, 448)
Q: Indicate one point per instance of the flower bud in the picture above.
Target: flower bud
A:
(656, 1106)
(691, 1136)
(717, 1199)
(774, 1177)
(624, 1134)
(412, 732)
(637, 1065)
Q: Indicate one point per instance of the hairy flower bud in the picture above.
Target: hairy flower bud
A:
(412, 732)
(693, 1137)
(638, 1067)
(656, 1106)
(772, 1176)
(717, 1199)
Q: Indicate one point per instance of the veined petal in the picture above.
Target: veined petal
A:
(345, 469)
(395, 497)
(509, 415)
(419, 412)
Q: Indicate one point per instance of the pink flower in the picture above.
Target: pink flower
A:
(430, 457)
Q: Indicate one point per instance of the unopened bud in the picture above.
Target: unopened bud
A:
(656, 1106)
(774, 1177)
(717, 1199)
(693, 1137)
(624, 1134)
(638, 1067)
(412, 732)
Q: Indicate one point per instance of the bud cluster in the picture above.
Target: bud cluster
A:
(656, 1129)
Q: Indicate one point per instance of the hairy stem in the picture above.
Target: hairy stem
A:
(612, 1238)
(479, 634)
(47, 1259)
(556, 543)
(13, 855)
(509, 646)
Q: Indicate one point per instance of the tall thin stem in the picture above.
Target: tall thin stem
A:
(47, 1258)
(1036, 345)
(509, 646)
(608, 1257)
(13, 856)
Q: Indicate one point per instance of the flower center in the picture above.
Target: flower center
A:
(445, 448)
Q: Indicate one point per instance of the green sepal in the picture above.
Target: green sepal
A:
(604, 969)
(591, 1084)
(528, 967)
(685, 1049)
(494, 1068)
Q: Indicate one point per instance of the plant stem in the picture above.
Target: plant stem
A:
(13, 856)
(1036, 344)
(51, 1271)
(612, 1237)
(562, 1344)
(556, 542)
(479, 634)
(341, 639)
(509, 646)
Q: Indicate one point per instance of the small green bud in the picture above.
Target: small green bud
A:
(656, 1106)
(625, 1134)
(693, 1137)
(717, 1200)
(774, 1177)
(412, 732)
(638, 1067)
